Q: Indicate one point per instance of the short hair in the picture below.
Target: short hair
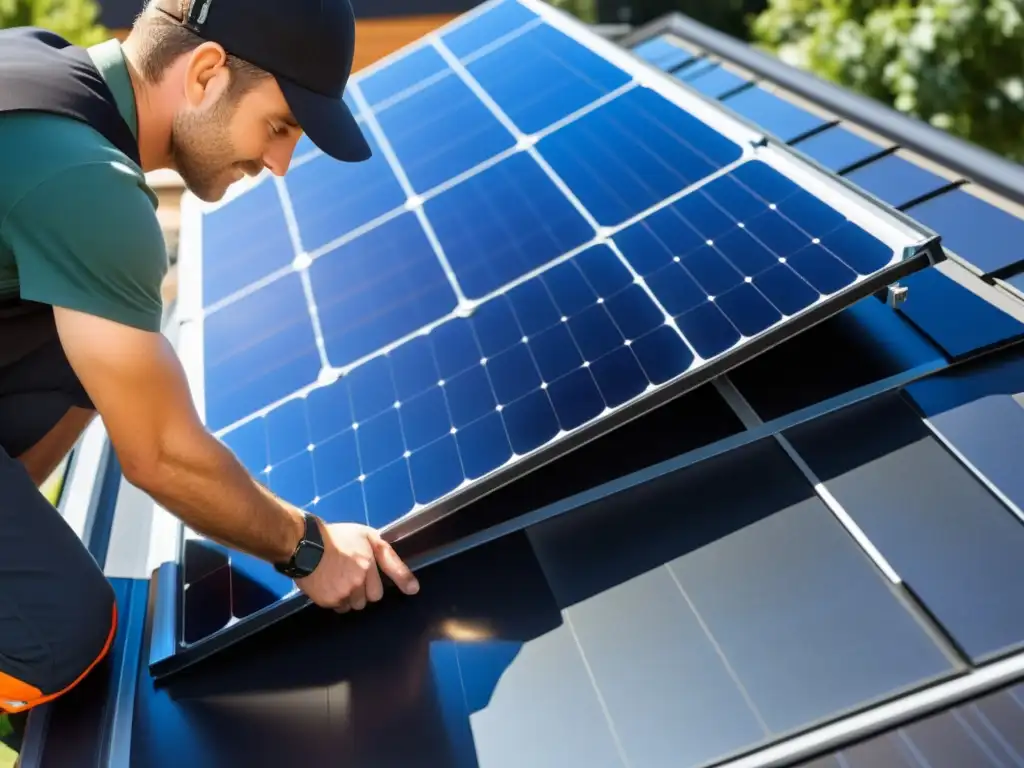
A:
(161, 41)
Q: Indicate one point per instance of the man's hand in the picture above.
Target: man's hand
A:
(348, 576)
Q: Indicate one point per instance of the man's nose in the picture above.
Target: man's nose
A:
(279, 157)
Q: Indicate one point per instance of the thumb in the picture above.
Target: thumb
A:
(393, 566)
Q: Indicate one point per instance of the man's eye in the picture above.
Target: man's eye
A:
(276, 130)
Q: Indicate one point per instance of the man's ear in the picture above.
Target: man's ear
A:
(206, 74)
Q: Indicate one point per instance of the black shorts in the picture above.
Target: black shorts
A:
(57, 610)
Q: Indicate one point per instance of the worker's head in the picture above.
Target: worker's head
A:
(240, 80)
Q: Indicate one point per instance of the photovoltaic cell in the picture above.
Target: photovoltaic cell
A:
(487, 28)
(330, 200)
(244, 241)
(724, 264)
(504, 222)
(258, 350)
(662, 53)
(405, 72)
(633, 152)
(716, 82)
(896, 181)
(454, 404)
(378, 288)
(773, 113)
(974, 229)
(538, 242)
(441, 131)
(837, 148)
(543, 76)
(699, 68)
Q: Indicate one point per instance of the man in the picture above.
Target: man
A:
(213, 89)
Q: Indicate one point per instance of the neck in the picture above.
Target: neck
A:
(154, 121)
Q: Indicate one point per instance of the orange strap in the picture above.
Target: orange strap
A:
(16, 696)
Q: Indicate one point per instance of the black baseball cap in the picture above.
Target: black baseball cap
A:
(307, 45)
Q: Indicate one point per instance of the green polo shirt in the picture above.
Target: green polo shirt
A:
(78, 226)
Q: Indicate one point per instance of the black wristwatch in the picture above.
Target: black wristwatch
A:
(307, 554)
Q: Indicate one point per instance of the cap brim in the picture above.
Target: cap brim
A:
(328, 122)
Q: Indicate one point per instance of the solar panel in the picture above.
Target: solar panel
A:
(552, 238)
(664, 53)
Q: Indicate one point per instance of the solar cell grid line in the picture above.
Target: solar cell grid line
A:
(301, 263)
(463, 73)
(427, 81)
(518, 147)
(396, 167)
(401, 427)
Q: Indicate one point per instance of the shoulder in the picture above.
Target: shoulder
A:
(63, 173)
(81, 222)
(98, 210)
(36, 149)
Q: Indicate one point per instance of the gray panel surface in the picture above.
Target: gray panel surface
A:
(951, 541)
(545, 713)
(736, 611)
(985, 733)
(807, 623)
(989, 433)
(649, 654)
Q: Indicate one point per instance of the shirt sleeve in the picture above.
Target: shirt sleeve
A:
(88, 239)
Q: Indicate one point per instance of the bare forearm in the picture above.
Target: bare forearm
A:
(205, 486)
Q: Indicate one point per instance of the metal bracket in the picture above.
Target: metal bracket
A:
(930, 246)
(896, 294)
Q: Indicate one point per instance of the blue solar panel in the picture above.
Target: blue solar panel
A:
(496, 22)
(974, 229)
(405, 73)
(773, 113)
(837, 148)
(716, 81)
(543, 76)
(250, 236)
(541, 245)
(378, 288)
(662, 53)
(457, 403)
(635, 150)
(505, 221)
(258, 350)
(330, 201)
(896, 181)
(442, 131)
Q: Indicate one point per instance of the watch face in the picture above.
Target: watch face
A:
(308, 557)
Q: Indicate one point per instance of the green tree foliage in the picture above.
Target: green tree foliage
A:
(74, 20)
(586, 10)
(957, 64)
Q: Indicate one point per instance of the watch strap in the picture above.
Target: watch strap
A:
(307, 553)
